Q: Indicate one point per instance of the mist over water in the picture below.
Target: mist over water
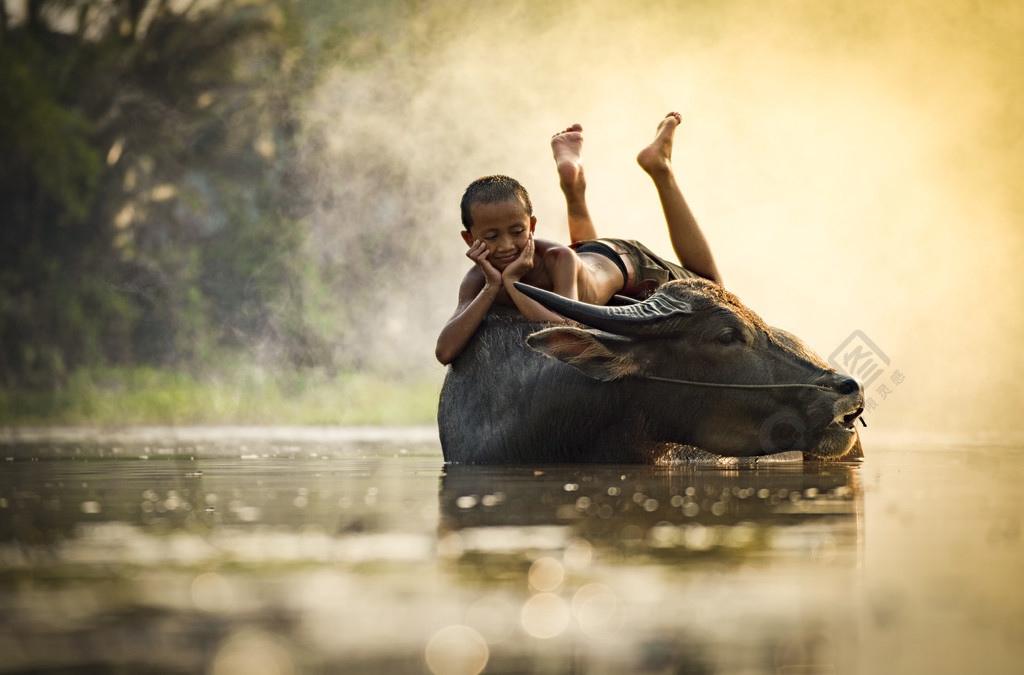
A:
(853, 166)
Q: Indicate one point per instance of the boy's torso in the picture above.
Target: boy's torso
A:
(597, 277)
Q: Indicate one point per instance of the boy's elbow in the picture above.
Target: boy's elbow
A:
(444, 354)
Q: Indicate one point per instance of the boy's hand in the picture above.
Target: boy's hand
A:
(478, 254)
(521, 265)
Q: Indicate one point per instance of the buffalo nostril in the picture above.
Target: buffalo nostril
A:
(848, 386)
(849, 419)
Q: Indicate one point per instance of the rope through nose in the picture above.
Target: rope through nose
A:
(725, 385)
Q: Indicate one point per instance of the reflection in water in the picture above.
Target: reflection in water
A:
(352, 556)
(583, 542)
(627, 510)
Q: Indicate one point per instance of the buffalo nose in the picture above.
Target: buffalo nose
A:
(848, 420)
(847, 386)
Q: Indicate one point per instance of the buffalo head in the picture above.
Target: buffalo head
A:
(714, 375)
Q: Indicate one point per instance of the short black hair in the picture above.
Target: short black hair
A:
(493, 190)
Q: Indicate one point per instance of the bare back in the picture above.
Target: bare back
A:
(598, 278)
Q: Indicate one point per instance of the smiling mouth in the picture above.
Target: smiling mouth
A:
(507, 258)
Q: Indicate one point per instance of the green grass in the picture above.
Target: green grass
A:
(250, 395)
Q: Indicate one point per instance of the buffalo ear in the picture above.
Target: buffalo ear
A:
(596, 354)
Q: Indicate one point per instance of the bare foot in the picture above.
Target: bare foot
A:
(567, 147)
(657, 156)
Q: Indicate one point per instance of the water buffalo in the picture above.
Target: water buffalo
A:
(689, 373)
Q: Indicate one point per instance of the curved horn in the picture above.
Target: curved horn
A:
(641, 317)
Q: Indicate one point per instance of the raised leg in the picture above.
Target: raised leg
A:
(688, 240)
(567, 147)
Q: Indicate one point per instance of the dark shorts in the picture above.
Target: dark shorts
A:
(643, 269)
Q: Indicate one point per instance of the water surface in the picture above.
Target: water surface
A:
(309, 551)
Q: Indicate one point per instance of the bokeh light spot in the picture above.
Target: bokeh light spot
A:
(545, 615)
(598, 611)
(456, 650)
(546, 574)
(578, 554)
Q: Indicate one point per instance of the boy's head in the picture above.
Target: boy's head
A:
(493, 190)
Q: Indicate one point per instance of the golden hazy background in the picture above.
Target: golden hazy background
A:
(855, 166)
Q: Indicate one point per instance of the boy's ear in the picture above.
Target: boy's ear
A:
(533, 223)
(596, 354)
(467, 236)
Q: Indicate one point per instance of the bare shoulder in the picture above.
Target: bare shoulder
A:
(545, 246)
(554, 254)
(473, 275)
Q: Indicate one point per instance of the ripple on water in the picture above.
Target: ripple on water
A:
(361, 557)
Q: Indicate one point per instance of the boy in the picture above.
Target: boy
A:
(499, 222)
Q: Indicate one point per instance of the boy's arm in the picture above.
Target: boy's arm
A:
(476, 295)
(561, 264)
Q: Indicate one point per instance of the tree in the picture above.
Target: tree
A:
(152, 201)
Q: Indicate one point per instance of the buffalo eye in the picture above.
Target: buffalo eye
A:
(729, 337)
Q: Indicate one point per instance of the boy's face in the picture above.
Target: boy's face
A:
(504, 228)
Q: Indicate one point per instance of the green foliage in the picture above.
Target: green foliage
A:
(241, 394)
(151, 191)
(43, 139)
(162, 255)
